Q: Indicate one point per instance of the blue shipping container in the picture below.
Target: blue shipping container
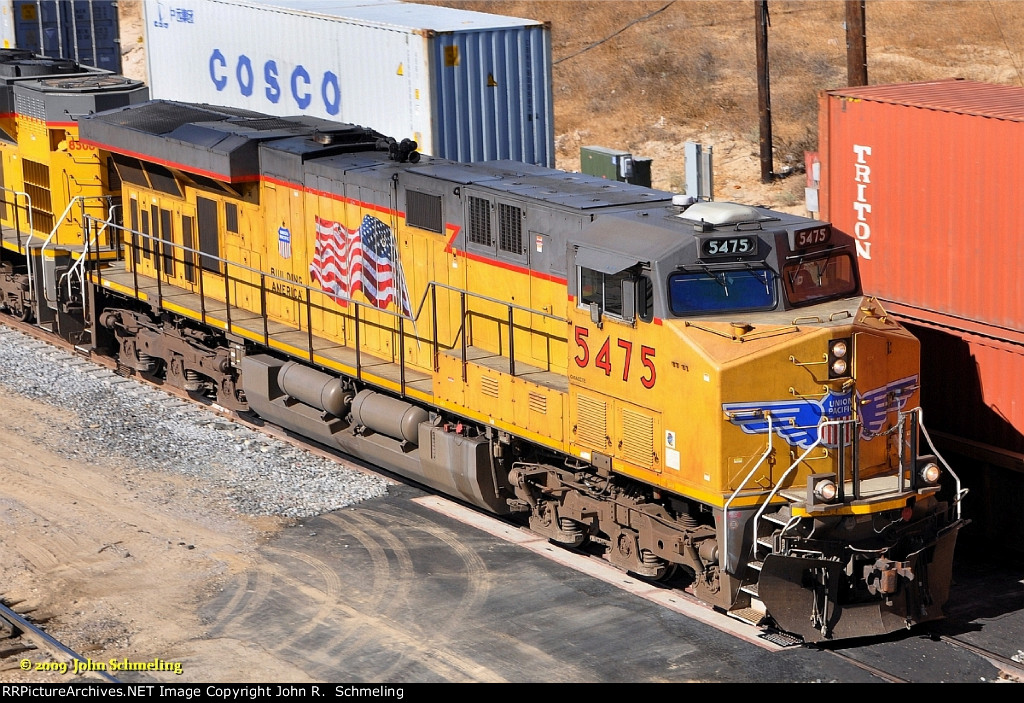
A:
(467, 86)
(83, 30)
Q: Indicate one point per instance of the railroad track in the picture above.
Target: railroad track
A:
(60, 658)
(885, 676)
(1009, 669)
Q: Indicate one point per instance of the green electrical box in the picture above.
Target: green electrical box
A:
(615, 165)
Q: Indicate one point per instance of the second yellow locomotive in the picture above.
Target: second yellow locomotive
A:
(686, 385)
(50, 180)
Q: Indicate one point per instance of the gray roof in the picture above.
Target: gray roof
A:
(220, 142)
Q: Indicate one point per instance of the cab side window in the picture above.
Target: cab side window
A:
(606, 290)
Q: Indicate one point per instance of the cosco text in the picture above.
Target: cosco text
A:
(299, 83)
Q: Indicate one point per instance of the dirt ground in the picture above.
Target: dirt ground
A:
(115, 559)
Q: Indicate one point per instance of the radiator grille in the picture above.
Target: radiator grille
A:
(592, 422)
(37, 185)
(479, 221)
(423, 210)
(637, 438)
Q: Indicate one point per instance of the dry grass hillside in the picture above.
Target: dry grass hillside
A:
(649, 76)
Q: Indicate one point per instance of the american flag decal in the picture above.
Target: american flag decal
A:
(363, 259)
(831, 434)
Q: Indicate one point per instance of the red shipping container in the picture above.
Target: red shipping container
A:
(928, 178)
(972, 391)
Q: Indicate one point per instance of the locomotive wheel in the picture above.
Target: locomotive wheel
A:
(22, 312)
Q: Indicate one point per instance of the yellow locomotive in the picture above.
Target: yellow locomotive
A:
(696, 386)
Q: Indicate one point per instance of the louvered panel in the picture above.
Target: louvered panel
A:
(539, 403)
(592, 422)
(489, 386)
(637, 438)
(37, 185)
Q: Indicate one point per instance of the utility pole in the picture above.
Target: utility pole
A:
(856, 44)
(764, 101)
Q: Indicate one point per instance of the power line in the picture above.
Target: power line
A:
(615, 34)
(1005, 44)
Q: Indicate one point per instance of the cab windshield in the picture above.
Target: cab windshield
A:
(813, 280)
(707, 291)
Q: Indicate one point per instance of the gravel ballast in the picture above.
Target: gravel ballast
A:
(123, 419)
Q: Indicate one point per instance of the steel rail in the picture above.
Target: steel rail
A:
(42, 640)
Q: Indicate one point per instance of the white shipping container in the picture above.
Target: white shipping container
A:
(7, 36)
(465, 85)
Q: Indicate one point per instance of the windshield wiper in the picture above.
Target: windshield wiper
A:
(715, 277)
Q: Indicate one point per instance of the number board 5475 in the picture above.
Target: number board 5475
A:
(728, 246)
(810, 236)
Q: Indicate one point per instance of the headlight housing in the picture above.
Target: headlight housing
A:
(822, 489)
(826, 491)
(839, 357)
(929, 472)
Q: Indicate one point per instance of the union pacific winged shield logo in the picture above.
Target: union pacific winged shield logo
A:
(800, 421)
(875, 405)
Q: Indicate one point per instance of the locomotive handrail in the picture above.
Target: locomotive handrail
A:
(346, 298)
(804, 396)
(960, 490)
(739, 488)
(778, 484)
(53, 232)
(785, 474)
(17, 227)
(489, 299)
(241, 267)
(795, 362)
(188, 253)
(89, 241)
(28, 212)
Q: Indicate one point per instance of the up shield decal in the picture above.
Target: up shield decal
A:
(800, 421)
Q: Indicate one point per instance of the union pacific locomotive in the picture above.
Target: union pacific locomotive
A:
(696, 388)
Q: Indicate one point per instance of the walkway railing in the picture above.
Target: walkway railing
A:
(216, 280)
